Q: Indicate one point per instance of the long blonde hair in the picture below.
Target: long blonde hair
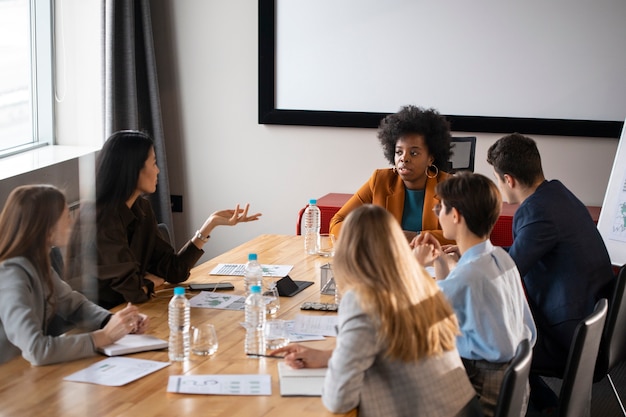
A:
(26, 223)
(374, 259)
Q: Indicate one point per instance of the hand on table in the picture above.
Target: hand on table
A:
(298, 356)
(128, 320)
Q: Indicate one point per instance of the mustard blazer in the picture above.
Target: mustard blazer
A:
(385, 188)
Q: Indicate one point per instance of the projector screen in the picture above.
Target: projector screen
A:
(535, 67)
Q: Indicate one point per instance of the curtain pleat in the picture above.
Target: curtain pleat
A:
(132, 99)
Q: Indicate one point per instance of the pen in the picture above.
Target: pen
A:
(259, 355)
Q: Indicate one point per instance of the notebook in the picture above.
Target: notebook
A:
(132, 343)
(307, 382)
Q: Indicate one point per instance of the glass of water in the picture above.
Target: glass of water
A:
(276, 334)
(272, 300)
(203, 340)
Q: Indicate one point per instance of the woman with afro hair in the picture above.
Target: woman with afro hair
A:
(416, 142)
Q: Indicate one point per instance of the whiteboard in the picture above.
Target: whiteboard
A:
(612, 221)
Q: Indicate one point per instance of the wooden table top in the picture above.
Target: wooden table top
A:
(27, 390)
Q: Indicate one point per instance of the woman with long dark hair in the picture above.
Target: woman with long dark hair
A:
(128, 255)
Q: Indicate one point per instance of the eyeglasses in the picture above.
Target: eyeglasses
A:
(437, 209)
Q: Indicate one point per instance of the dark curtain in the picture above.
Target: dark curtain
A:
(131, 86)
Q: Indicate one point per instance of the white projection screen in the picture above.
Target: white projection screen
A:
(541, 67)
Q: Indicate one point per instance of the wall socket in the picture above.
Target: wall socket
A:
(177, 203)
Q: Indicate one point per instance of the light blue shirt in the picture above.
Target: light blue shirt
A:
(485, 290)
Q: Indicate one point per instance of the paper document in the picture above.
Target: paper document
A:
(237, 269)
(116, 371)
(210, 299)
(319, 325)
(221, 384)
(306, 382)
(132, 343)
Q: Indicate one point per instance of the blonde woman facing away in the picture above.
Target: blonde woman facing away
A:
(395, 353)
(34, 219)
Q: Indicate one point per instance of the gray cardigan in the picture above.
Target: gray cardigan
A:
(24, 314)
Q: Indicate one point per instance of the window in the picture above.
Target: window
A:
(26, 106)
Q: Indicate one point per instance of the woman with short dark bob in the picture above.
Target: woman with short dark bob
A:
(131, 257)
(416, 142)
(34, 219)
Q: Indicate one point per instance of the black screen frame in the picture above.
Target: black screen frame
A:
(270, 115)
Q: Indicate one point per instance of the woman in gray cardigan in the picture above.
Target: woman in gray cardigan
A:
(32, 296)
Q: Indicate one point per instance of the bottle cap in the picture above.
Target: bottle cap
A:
(312, 201)
(255, 289)
(179, 291)
(252, 257)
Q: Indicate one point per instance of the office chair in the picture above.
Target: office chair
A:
(511, 397)
(165, 233)
(613, 343)
(575, 395)
(464, 150)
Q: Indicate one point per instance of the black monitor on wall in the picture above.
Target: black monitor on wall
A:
(307, 48)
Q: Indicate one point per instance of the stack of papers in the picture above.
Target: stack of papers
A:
(307, 382)
(238, 269)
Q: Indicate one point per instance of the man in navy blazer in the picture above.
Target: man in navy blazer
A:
(557, 248)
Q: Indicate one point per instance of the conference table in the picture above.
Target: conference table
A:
(27, 390)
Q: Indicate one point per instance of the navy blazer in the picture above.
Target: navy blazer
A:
(560, 255)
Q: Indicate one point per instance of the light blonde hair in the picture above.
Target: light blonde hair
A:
(374, 259)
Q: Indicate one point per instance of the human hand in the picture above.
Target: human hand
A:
(229, 218)
(425, 254)
(120, 324)
(298, 356)
(452, 251)
(143, 322)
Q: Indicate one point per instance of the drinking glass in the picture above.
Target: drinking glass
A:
(272, 299)
(203, 340)
(276, 334)
(326, 245)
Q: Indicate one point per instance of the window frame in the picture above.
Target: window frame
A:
(42, 86)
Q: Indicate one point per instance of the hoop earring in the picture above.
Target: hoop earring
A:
(395, 170)
(428, 171)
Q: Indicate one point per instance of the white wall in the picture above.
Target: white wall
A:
(208, 78)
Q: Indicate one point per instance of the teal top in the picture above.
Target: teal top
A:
(413, 210)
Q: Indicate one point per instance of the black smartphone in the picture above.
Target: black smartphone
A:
(212, 286)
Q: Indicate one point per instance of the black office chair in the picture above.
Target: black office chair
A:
(511, 397)
(575, 395)
(165, 233)
(613, 344)
(463, 152)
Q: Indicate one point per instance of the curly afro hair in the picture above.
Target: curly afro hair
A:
(412, 120)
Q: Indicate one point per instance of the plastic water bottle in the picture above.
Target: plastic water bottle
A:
(255, 322)
(179, 321)
(253, 273)
(312, 219)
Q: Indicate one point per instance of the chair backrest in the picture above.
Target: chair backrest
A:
(165, 233)
(464, 150)
(575, 396)
(613, 345)
(511, 397)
